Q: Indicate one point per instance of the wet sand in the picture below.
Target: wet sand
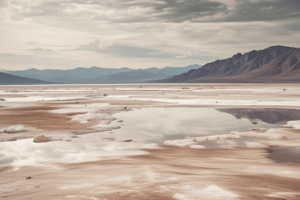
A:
(164, 172)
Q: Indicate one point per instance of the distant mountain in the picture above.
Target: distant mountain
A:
(274, 64)
(7, 79)
(136, 76)
(171, 71)
(102, 75)
(77, 75)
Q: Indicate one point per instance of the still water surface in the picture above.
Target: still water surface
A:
(142, 126)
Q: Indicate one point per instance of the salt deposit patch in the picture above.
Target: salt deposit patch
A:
(81, 197)
(85, 118)
(151, 146)
(221, 102)
(180, 142)
(216, 137)
(211, 192)
(191, 141)
(124, 97)
(67, 187)
(284, 195)
(198, 147)
(150, 89)
(256, 145)
(38, 98)
(294, 124)
(14, 129)
(238, 90)
(270, 135)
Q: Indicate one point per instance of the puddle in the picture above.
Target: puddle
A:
(285, 154)
(156, 125)
(268, 115)
(140, 128)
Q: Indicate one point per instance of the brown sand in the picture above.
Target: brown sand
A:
(159, 175)
(39, 118)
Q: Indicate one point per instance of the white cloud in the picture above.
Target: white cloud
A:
(184, 55)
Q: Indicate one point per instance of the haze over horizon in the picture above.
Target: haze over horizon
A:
(66, 34)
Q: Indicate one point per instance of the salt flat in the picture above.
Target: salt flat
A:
(150, 141)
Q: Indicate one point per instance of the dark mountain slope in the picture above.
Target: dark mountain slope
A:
(274, 64)
(7, 79)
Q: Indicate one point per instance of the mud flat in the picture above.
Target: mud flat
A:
(159, 141)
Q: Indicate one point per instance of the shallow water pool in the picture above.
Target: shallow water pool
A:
(140, 129)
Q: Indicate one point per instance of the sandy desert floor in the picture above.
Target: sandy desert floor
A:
(150, 141)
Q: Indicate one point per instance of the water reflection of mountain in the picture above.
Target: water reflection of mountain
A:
(268, 115)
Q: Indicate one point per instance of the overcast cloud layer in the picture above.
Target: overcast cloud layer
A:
(67, 34)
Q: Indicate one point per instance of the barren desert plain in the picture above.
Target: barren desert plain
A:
(150, 141)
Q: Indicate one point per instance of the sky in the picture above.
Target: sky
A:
(66, 34)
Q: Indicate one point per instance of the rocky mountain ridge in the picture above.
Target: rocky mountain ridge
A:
(273, 64)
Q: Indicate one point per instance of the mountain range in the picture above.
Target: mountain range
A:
(101, 75)
(273, 64)
(7, 79)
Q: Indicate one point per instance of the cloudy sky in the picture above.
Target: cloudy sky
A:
(65, 34)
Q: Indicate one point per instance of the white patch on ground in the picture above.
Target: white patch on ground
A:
(216, 137)
(256, 145)
(75, 186)
(151, 146)
(151, 176)
(38, 98)
(14, 129)
(118, 97)
(150, 89)
(227, 143)
(270, 135)
(85, 118)
(237, 90)
(214, 102)
(198, 147)
(81, 197)
(294, 124)
(283, 194)
(211, 192)
(181, 143)
(191, 141)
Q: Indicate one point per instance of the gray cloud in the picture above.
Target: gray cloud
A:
(264, 10)
(40, 50)
(3, 3)
(8, 55)
(32, 43)
(121, 10)
(122, 50)
(125, 11)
